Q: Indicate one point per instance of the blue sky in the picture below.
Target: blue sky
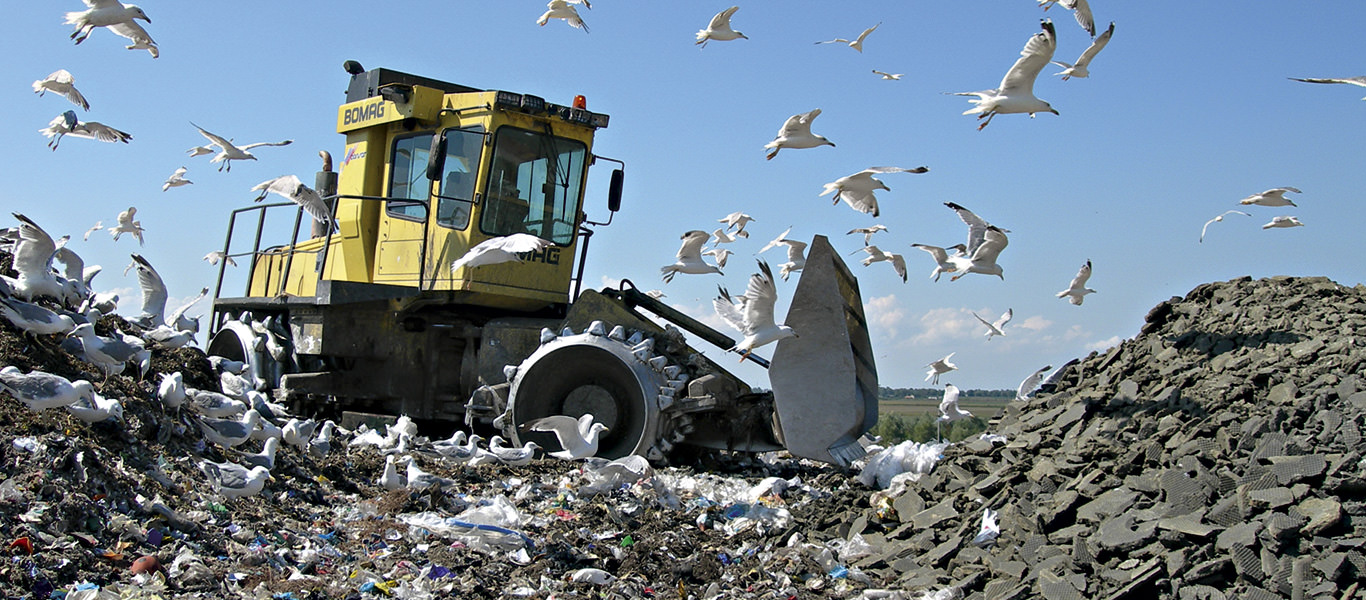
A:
(1188, 110)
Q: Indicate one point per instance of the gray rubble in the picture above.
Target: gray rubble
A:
(1218, 454)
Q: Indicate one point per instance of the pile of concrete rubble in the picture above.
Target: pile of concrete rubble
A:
(1217, 455)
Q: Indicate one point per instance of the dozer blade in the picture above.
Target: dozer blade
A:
(824, 380)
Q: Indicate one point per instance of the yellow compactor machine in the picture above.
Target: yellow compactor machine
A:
(367, 316)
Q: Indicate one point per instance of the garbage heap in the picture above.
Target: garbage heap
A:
(1216, 455)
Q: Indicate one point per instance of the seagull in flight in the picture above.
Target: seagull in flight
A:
(218, 255)
(1283, 221)
(1080, 68)
(737, 220)
(867, 232)
(61, 82)
(1077, 291)
(776, 241)
(940, 367)
(897, 261)
(290, 187)
(153, 292)
(690, 257)
(500, 249)
(941, 258)
(1016, 92)
(1271, 197)
(796, 133)
(67, 124)
(119, 18)
(176, 179)
(227, 152)
(719, 28)
(1218, 219)
(999, 326)
(1357, 81)
(1031, 383)
(720, 254)
(948, 407)
(1081, 10)
(796, 258)
(857, 190)
(888, 76)
(564, 9)
(985, 243)
(126, 224)
(752, 313)
(856, 43)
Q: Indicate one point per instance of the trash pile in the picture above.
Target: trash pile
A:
(1217, 455)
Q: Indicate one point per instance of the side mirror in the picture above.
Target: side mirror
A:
(436, 158)
(614, 190)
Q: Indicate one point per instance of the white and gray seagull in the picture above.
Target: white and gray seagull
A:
(32, 263)
(796, 133)
(1077, 290)
(856, 43)
(564, 9)
(888, 76)
(579, 438)
(752, 313)
(176, 179)
(1031, 383)
(1016, 92)
(1282, 221)
(1084, 61)
(233, 480)
(690, 257)
(39, 390)
(153, 293)
(941, 258)
(985, 243)
(1271, 197)
(1219, 219)
(61, 82)
(67, 124)
(126, 224)
(867, 232)
(1357, 81)
(119, 18)
(500, 249)
(227, 151)
(939, 367)
(290, 187)
(897, 261)
(737, 221)
(719, 28)
(1081, 10)
(997, 327)
(948, 406)
(857, 190)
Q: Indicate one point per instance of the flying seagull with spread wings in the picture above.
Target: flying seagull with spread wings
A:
(1357, 81)
(985, 243)
(752, 313)
(719, 28)
(227, 151)
(1080, 68)
(796, 133)
(1016, 92)
(690, 257)
(856, 43)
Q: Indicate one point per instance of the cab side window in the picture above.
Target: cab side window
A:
(456, 195)
(409, 187)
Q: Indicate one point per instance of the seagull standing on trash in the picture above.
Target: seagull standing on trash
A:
(1077, 291)
(95, 408)
(513, 457)
(230, 433)
(40, 391)
(690, 257)
(719, 28)
(233, 480)
(752, 313)
(1016, 92)
(390, 479)
(35, 319)
(579, 438)
(940, 367)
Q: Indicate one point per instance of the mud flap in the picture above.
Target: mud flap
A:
(825, 380)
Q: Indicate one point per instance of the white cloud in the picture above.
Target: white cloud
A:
(1105, 344)
(943, 324)
(885, 314)
(1035, 323)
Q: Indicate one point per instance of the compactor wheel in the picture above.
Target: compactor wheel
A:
(614, 375)
(238, 340)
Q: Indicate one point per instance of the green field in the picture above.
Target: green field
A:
(982, 407)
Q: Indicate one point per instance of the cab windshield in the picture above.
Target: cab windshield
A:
(534, 185)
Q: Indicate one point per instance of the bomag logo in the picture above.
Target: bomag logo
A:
(361, 114)
(549, 256)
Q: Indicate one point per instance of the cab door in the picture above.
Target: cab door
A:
(455, 198)
(404, 219)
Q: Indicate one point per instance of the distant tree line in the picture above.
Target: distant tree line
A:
(894, 428)
(886, 392)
